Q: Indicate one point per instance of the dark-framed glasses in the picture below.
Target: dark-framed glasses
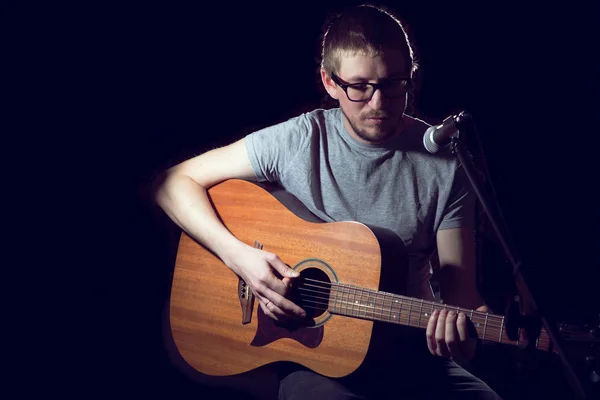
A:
(363, 92)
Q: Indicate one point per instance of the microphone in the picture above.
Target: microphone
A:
(439, 136)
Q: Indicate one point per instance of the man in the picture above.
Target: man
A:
(362, 161)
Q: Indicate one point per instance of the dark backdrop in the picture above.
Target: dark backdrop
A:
(127, 88)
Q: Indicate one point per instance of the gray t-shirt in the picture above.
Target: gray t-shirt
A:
(397, 185)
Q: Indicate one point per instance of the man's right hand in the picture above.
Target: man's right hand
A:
(269, 279)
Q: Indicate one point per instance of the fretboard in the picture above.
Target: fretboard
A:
(375, 305)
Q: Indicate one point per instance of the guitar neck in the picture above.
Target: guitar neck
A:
(356, 302)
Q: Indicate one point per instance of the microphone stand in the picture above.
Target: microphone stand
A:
(522, 314)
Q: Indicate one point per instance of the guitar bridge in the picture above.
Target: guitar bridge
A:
(246, 296)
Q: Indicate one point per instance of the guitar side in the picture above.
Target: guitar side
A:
(205, 309)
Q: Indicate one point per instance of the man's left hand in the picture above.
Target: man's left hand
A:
(448, 335)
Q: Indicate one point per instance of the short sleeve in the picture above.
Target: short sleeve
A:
(460, 207)
(273, 149)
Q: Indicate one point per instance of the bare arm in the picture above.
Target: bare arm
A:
(456, 252)
(181, 192)
(448, 333)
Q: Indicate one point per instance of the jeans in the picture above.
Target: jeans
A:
(416, 374)
(457, 383)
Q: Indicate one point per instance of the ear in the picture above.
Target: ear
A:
(329, 84)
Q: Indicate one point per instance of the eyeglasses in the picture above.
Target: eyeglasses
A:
(363, 92)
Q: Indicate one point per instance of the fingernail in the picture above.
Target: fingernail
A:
(461, 315)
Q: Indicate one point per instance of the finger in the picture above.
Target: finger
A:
(264, 306)
(281, 267)
(288, 285)
(277, 304)
(452, 335)
(440, 335)
(262, 293)
(274, 279)
(430, 332)
(462, 328)
(283, 306)
(468, 339)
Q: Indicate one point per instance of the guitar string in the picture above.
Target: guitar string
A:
(491, 318)
(401, 303)
(492, 328)
(488, 319)
(324, 305)
(543, 340)
(372, 310)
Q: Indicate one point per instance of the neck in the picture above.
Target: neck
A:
(387, 307)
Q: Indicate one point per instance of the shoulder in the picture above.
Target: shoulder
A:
(311, 121)
(318, 123)
(294, 132)
(323, 119)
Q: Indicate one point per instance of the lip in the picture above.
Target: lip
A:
(377, 120)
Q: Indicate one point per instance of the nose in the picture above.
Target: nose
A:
(376, 101)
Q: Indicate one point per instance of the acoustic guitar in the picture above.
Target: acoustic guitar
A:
(352, 279)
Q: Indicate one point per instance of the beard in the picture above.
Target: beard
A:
(375, 133)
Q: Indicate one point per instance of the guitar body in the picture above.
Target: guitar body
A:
(220, 330)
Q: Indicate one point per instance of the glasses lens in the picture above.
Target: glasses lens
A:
(364, 91)
(395, 88)
(360, 92)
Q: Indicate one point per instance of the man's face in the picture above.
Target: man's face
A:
(378, 119)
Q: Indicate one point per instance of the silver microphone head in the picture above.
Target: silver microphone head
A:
(428, 141)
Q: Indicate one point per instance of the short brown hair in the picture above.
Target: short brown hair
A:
(364, 28)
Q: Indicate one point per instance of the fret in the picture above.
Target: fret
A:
(354, 310)
(357, 302)
(374, 305)
(501, 329)
(390, 310)
(409, 310)
(485, 326)
(347, 300)
(341, 299)
(360, 303)
(367, 304)
(395, 303)
(335, 301)
(420, 313)
(518, 335)
(352, 300)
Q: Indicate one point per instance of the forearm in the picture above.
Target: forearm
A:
(186, 203)
(459, 288)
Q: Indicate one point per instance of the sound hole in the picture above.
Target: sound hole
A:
(312, 291)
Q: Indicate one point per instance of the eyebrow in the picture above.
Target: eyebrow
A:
(398, 75)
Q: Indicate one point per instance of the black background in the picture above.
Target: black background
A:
(107, 93)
